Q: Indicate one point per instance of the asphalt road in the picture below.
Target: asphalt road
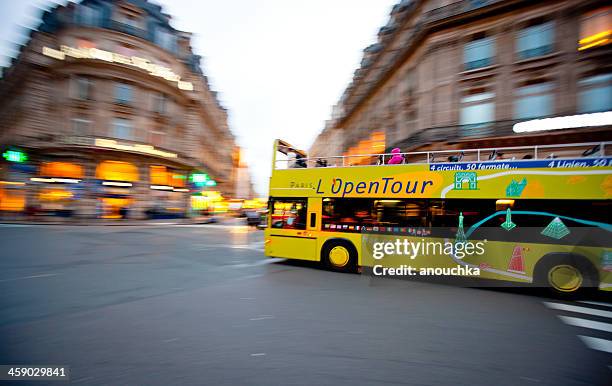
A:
(172, 305)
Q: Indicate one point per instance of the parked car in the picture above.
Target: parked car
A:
(253, 217)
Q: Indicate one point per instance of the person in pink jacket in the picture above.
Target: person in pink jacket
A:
(397, 158)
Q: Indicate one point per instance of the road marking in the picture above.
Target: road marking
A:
(247, 298)
(258, 354)
(171, 340)
(263, 317)
(253, 246)
(30, 277)
(586, 323)
(260, 262)
(596, 303)
(582, 310)
(597, 343)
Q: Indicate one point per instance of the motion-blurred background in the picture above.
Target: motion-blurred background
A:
(106, 110)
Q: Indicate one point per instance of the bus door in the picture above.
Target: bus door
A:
(314, 214)
(289, 231)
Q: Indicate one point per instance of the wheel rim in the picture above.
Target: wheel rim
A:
(565, 278)
(339, 256)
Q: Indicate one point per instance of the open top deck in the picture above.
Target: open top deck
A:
(565, 171)
(586, 150)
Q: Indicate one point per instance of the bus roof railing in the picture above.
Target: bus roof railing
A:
(489, 154)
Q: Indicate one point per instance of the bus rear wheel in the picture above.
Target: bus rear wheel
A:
(339, 255)
(566, 275)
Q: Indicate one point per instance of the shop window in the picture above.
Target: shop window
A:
(117, 171)
(12, 200)
(158, 175)
(595, 93)
(61, 169)
(288, 213)
(534, 100)
(123, 93)
(122, 129)
(595, 28)
(479, 52)
(535, 40)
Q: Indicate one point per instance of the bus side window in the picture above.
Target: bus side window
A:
(288, 213)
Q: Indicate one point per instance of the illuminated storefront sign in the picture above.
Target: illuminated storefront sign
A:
(139, 148)
(160, 175)
(598, 39)
(117, 171)
(61, 169)
(112, 57)
(15, 156)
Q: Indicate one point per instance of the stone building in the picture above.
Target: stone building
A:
(113, 110)
(449, 74)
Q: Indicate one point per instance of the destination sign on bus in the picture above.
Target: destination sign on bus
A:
(523, 164)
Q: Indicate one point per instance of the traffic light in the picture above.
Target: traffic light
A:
(15, 156)
(211, 183)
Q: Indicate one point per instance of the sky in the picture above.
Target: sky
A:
(278, 65)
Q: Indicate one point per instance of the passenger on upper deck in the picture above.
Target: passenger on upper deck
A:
(397, 157)
(295, 160)
(291, 159)
(300, 162)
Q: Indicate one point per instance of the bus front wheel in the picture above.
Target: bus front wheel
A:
(566, 275)
(339, 255)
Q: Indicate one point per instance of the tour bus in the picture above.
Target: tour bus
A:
(546, 209)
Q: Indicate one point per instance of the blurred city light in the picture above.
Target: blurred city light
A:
(15, 156)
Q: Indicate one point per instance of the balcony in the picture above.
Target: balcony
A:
(126, 28)
(456, 8)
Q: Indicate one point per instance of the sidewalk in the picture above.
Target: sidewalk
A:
(119, 222)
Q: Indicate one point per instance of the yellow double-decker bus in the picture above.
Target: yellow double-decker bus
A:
(547, 209)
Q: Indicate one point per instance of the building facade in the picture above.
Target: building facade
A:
(115, 114)
(449, 74)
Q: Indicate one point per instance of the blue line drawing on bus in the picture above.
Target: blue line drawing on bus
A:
(604, 226)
